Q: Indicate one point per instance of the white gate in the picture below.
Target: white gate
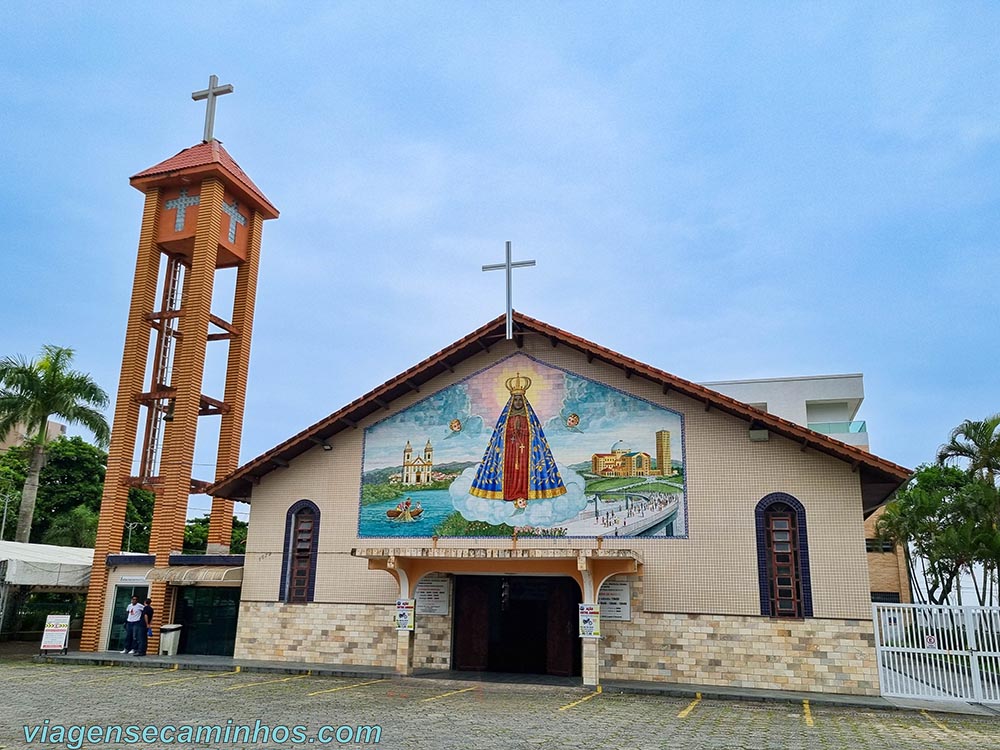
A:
(938, 652)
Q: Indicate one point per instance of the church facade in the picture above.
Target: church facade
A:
(735, 557)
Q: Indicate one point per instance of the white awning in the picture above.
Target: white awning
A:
(46, 565)
(194, 573)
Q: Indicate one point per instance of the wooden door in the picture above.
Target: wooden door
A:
(472, 623)
(561, 637)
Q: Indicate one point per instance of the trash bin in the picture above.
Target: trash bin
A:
(170, 638)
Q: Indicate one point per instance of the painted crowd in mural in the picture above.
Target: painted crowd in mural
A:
(523, 448)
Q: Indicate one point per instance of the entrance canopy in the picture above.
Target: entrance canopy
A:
(194, 574)
(46, 565)
(589, 566)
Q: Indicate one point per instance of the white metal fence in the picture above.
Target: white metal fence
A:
(938, 652)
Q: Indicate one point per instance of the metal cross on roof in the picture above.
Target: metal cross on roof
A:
(214, 90)
(509, 266)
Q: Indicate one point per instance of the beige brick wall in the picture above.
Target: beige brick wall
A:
(883, 570)
(813, 655)
(886, 570)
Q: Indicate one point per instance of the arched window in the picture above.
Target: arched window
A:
(298, 565)
(783, 557)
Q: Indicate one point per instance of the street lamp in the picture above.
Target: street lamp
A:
(3, 524)
(132, 525)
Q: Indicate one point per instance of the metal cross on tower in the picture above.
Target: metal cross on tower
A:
(214, 90)
(235, 217)
(181, 203)
(509, 266)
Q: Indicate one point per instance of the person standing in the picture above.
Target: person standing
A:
(133, 621)
(147, 626)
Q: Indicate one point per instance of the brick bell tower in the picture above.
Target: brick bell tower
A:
(202, 213)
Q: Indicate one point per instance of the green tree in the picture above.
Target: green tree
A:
(77, 528)
(945, 515)
(32, 392)
(196, 536)
(978, 443)
(73, 476)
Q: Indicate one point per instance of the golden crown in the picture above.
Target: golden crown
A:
(518, 385)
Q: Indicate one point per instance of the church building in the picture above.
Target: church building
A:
(735, 557)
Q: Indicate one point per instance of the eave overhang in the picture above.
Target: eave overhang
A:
(879, 478)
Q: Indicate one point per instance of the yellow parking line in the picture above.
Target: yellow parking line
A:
(269, 682)
(445, 695)
(90, 669)
(938, 724)
(808, 713)
(186, 679)
(223, 674)
(585, 698)
(683, 714)
(129, 673)
(345, 687)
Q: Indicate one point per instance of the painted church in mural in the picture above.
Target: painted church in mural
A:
(525, 448)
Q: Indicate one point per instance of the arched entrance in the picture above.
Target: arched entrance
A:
(516, 623)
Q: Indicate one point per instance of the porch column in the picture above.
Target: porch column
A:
(590, 647)
(404, 652)
(591, 662)
(404, 638)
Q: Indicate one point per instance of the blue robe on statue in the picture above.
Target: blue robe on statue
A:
(543, 480)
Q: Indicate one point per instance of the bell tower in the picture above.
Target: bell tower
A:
(202, 213)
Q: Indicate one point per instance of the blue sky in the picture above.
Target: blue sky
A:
(722, 190)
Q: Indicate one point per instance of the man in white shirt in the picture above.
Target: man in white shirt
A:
(133, 621)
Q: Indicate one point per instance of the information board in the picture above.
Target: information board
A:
(434, 597)
(56, 635)
(615, 600)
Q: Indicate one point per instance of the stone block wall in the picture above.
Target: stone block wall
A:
(810, 655)
(337, 634)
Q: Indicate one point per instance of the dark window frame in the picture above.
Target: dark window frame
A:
(804, 592)
(290, 554)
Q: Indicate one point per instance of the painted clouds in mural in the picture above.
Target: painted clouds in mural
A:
(525, 448)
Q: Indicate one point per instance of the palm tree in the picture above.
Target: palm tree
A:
(33, 391)
(977, 442)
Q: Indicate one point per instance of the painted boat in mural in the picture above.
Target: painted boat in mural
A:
(396, 513)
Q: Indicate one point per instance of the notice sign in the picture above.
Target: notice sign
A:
(404, 614)
(56, 635)
(590, 621)
(433, 597)
(615, 600)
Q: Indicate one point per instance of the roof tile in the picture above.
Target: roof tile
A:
(205, 153)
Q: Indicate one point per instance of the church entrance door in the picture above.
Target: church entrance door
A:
(524, 624)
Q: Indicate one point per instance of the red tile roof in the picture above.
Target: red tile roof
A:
(205, 154)
(879, 478)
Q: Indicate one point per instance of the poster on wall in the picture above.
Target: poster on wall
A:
(590, 621)
(404, 619)
(529, 449)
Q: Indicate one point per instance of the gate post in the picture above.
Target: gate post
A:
(969, 621)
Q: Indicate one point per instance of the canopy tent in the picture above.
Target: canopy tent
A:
(45, 565)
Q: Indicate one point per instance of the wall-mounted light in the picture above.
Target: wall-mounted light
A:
(322, 442)
(759, 436)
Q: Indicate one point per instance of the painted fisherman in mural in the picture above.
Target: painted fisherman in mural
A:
(518, 466)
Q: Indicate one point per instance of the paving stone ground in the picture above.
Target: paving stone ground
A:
(441, 714)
